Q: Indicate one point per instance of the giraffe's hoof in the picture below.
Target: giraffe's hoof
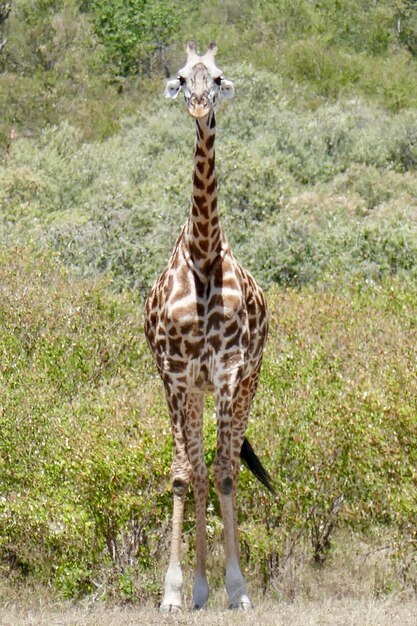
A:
(245, 605)
(170, 608)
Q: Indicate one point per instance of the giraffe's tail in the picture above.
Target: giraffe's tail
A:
(251, 460)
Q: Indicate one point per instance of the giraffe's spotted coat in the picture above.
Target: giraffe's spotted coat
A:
(206, 323)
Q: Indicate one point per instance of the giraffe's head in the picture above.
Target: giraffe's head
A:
(201, 81)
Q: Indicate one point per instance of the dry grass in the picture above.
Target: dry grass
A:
(328, 611)
(342, 594)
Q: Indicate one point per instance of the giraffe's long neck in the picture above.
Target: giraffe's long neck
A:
(203, 233)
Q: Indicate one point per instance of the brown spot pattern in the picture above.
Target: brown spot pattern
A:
(206, 324)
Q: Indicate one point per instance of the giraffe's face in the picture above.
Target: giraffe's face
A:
(201, 81)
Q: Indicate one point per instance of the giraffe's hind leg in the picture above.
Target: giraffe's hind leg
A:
(242, 404)
(225, 475)
(232, 428)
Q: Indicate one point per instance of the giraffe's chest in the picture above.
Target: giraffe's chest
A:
(204, 330)
(205, 339)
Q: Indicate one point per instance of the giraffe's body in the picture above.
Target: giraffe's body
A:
(206, 324)
(204, 332)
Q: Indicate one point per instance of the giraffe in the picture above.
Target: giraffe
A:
(206, 323)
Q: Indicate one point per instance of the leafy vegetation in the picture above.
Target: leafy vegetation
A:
(316, 163)
(134, 32)
(78, 60)
(86, 444)
(325, 193)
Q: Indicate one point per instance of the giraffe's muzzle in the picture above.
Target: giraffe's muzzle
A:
(198, 106)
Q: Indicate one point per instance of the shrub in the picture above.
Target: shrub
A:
(308, 186)
(392, 81)
(134, 32)
(329, 71)
(338, 393)
(86, 444)
(75, 484)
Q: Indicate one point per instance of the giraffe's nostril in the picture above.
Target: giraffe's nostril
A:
(198, 101)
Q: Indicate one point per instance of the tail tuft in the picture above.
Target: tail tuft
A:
(253, 463)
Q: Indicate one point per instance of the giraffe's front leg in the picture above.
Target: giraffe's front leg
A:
(181, 473)
(172, 600)
(200, 587)
(195, 447)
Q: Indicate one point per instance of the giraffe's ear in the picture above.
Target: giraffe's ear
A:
(226, 88)
(173, 88)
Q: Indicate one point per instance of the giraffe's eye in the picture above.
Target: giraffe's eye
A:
(218, 80)
(182, 80)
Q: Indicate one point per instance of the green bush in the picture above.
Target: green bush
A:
(135, 32)
(313, 188)
(313, 61)
(391, 83)
(86, 443)
(316, 160)
(338, 392)
(75, 62)
(54, 69)
(74, 481)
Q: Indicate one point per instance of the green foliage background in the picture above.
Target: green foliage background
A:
(316, 160)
